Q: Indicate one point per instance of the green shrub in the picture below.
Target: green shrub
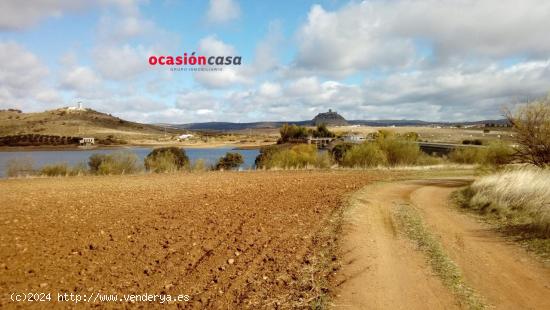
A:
(339, 151)
(411, 136)
(495, 154)
(289, 132)
(293, 157)
(18, 167)
(229, 161)
(322, 132)
(95, 160)
(399, 151)
(266, 152)
(468, 155)
(162, 162)
(53, 170)
(199, 165)
(364, 155)
(119, 163)
(166, 159)
(498, 154)
(293, 132)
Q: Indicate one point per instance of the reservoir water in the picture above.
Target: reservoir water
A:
(72, 157)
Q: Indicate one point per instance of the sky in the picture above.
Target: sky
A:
(433, 60)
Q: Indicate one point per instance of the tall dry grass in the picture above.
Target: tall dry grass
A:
(516, 195)
(298, 156)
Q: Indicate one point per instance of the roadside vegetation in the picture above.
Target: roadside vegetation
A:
(495, 154)
(517, 200)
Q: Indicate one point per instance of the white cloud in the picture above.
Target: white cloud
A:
(23, 79)
(80, 78)
(222, 11)
(230, 75)
(386, 34)
(270, 90)
(121, 62)
(349, 40)
(15, 15)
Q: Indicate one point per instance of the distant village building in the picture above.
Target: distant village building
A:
(87, 141)
(185, 137)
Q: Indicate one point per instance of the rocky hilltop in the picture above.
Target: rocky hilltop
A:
(330, 118)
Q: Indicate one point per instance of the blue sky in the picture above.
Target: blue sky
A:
(437, 60)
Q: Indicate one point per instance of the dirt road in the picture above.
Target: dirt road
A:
(384, 270)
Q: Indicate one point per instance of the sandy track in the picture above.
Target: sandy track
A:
(385, 272)
(506, 276)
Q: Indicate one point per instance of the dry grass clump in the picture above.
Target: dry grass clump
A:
(63, 169)
(516, 195)
(115, 163)
(163, 162)
(364, 156)
(385, 151)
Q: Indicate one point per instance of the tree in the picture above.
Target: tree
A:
(229, 161)
(340, 150)
(531, 125)
(322, 132)
(289, 132)
(95, 161)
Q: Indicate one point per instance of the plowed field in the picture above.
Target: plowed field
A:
(228, 240)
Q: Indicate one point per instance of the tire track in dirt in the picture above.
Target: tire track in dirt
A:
(503, 273)
(385, 271)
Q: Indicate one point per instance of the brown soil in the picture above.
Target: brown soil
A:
(385, 272)
(229, 240)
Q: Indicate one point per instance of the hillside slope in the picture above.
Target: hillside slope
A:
(66, 122)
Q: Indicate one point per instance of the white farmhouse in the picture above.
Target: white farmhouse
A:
(185, 137)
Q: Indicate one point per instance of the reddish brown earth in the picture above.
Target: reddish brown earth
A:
(229, 240)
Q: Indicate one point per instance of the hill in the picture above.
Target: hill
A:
(329, 118)
(77, 123)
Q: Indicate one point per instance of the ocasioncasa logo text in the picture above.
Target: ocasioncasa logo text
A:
(194, 60)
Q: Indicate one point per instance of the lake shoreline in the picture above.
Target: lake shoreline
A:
(32, 148)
